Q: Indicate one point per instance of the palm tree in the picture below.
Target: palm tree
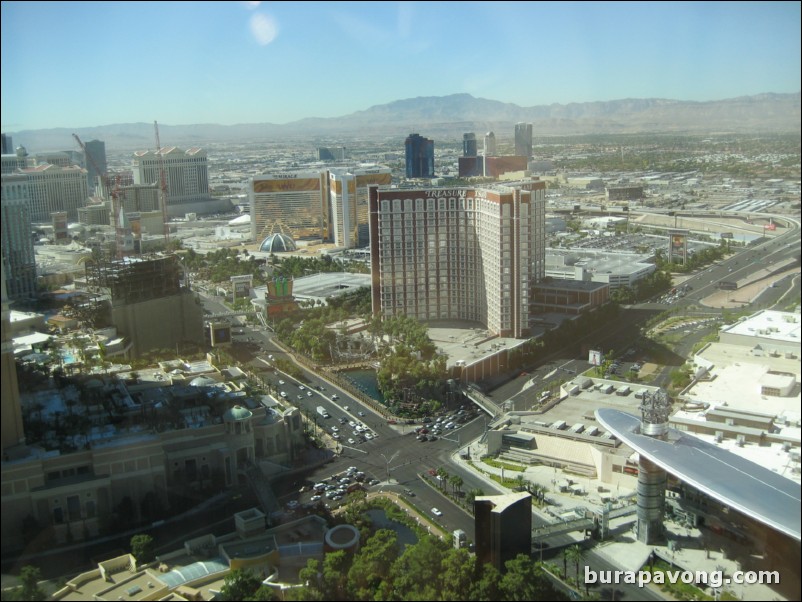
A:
(443, 475)
(576, 555)
(456, 482)
(538, 491)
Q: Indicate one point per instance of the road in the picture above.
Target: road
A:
(395, 458)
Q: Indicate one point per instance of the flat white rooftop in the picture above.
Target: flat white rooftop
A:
(776, 325)
(466, 342)
(737, 375)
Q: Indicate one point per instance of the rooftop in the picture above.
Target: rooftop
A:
(502, 502)
(737, 373)
(776, 325)
(466, 342)
(745, 486)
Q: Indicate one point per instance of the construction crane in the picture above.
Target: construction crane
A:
(162, 184)
(112, 191)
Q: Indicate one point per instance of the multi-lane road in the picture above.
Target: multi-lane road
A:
(396, 458)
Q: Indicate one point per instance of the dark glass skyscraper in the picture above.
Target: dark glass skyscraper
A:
(419, 156)
(523, 139)
(469, 148)
(97, 150)
(8, 145)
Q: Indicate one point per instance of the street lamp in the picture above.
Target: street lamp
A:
(387, 462)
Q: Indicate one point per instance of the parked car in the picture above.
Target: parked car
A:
(436, 512)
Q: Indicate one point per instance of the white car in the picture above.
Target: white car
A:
(301, 387)
(436, 512)
(281, 382)
(351, 441)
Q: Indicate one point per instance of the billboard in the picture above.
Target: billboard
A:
(220, 333)
(595, 358)
(366, 178)
(678, 246)
(241, 285)
(286, 184)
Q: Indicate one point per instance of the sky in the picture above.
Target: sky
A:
(83, 64)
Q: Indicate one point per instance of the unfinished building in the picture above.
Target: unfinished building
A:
(150, 303)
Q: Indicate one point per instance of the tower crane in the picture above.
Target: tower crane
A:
(162, 183)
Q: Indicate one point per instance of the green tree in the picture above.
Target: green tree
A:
(265, 594)
(239, 584)
(329, 581)
(459, 572)
(473, 494)
(29, 577)
(524, 580)
(576, 555)
(371, 567)
(442, 476)
(416, 573)
(488, 586)
(142, 548)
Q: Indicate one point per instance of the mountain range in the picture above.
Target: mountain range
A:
(447, 117)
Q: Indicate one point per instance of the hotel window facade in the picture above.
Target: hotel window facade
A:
(462, 253)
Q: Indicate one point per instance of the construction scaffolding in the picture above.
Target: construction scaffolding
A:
(135, 279)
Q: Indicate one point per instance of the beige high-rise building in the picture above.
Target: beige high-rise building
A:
(348, 193)
(291, 203)
(459, 253)
(187, 175)
(52, 189)
(490, 144)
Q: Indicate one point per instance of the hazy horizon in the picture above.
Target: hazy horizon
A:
(75, 65)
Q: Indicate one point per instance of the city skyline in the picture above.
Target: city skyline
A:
(254, 62)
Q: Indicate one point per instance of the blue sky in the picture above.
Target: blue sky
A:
(81, 64)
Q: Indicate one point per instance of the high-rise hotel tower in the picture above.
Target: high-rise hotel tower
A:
(523, 140)
(292, 203)
(348, 195)
(458, 253)
(419, 156)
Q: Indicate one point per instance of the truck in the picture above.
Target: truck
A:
(323, 411)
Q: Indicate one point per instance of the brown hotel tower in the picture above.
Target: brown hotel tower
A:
(458, 253)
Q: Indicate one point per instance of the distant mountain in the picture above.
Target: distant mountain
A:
(450, 116)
